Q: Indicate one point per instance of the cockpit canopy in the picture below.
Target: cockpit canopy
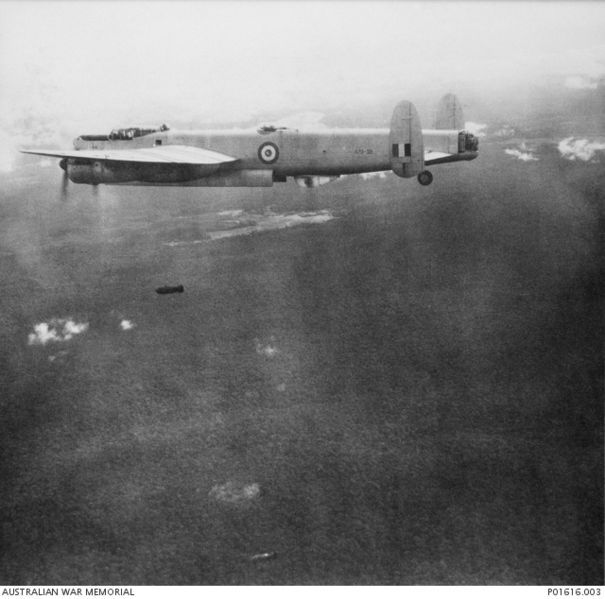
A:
(265, 129)
(127, 133)
(132, 132)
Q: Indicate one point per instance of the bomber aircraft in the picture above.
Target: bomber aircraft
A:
(258, 158)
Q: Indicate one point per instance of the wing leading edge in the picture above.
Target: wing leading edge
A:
(155, 155)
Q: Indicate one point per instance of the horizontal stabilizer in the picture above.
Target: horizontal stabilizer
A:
(437, 157)
(155, 155)
(432, 158)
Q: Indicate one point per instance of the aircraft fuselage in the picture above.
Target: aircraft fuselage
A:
(264, 157)
(258, 158)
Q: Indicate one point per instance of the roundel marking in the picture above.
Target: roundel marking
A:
(268, 152)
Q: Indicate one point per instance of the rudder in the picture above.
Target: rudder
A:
(449, 113)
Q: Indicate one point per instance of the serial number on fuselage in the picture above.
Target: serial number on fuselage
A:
(363, 151)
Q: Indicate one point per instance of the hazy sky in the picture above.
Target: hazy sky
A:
(102, 64)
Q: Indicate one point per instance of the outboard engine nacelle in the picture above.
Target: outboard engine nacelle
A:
(406, 142)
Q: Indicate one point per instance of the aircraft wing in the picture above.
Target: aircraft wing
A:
(157, 154)
(431, 157)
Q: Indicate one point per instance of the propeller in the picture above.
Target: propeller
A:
(65, 180)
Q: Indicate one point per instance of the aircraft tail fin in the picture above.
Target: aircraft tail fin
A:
(449, 113)
(406, 141)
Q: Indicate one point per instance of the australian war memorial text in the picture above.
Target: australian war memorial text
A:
(67, 592)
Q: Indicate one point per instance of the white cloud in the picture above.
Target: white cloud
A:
(230, 213)
(71, 328)
(580, 149)
(43, 334)
(306, 63)
(581, 82)
(234, 493)
(504, 131)
(477, 129)
(269, 350)
(58, 358)
(377, 175)
(176, 244)
(522, 155)
(8, 153)
(56, 330)
(233, 223)
(269, 221)
(126, 325)
(314, 180)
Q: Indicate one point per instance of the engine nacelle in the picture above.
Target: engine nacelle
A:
(241, 178)
(94, 172)
(405, 141)
(103, 171)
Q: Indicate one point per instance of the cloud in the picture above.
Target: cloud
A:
(230, 213)
(234, 223)
(176, 244)
(522, 155)
(477, 129)
(256, 223)
(377, 175)
(8, 153)
(581, 82)
(56, 330)
(126, 325)
(269, 350)
(504, 131)
(306, 64)
(234, 493)
(314, 180)
(580, 149)
(58, 358)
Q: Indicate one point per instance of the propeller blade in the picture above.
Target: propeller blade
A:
(65, 179)
(64, 183)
